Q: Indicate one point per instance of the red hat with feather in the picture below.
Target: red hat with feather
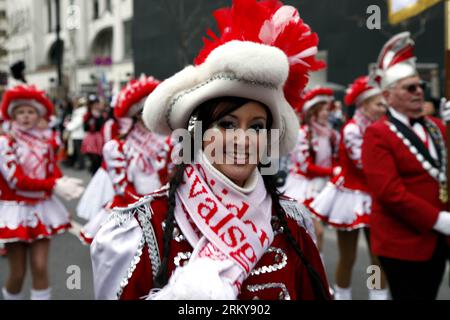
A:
(360, 90)
(396, 60)
(131, 99)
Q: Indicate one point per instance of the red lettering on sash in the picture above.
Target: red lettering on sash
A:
(210, 211)
(263, 238)
(233, 236)
(221, 223)
(189, 171)
(239, 212)
(201, 189)
(243, 255)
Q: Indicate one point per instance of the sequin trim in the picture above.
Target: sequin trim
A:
(130, 271)
(220, 76)
(259, 287)
(180, 257)
(299, 213)
(144, 214)
(439, 175)
(274, 267)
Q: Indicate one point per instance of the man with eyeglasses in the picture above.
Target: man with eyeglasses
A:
(404, 160)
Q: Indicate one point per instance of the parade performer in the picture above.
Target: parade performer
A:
(100, 189)
(30, 214)
(220, 230)
(137, 162)
(404, 160)
(314, 159)
(344, 203)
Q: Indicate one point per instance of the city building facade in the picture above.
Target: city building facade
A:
(96, 38)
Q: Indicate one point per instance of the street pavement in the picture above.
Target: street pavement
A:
(70, 258)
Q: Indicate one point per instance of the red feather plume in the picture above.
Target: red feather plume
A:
(135, 91)
(269, 22)
(359, 86)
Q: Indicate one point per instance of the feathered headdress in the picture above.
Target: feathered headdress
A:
(361, 89)
(270, 24)
(263, 52)
(131, 99)
(26, 95)
(396, 60)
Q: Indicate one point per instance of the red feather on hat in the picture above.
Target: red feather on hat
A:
(25, 92)
(269, 22)
(134, 92)
(359, 86)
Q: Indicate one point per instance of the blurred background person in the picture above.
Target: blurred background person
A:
(93, 122)
(75, 134)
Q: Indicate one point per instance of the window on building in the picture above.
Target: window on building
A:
(96, 9)
(108, 6)
(49, 16)
(127, 39)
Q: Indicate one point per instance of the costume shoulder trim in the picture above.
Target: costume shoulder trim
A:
(298, 212)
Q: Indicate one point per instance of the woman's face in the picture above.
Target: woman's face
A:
(374, 107)
(241, 141)
(26, 117)
(323, 113)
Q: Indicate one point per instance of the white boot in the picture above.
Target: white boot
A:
(45, 294)
(342, 293)
(381, 294)
(11, 296)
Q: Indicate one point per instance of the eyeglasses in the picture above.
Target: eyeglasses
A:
(412, 88)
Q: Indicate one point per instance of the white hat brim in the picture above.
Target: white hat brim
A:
(236, 69)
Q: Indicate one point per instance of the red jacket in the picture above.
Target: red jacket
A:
(288, 279)
(405, 196)
(350, 158)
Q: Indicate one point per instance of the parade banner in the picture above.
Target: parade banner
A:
(400, 10)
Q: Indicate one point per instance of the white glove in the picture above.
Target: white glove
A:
(445, 110)
(337, 171)
(69, 188)
(443, 223)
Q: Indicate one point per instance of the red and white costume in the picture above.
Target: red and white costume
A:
(28, 209)
(100, 190)
(126, 253)
(345, 203)
(136, 165)
(314, 157)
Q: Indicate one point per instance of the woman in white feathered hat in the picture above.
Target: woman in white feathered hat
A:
(30, 214)
(220, 229)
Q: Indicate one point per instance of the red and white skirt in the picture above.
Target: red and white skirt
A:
(98, 193)
(302, 189)
(90, 229)
(342, 208)
(27, 223)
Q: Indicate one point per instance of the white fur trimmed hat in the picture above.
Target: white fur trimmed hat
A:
(267, 60)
